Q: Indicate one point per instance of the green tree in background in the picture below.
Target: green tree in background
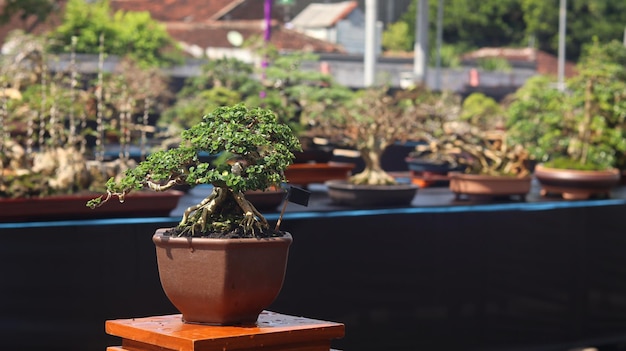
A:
(586, 19)
(582, 127)
(133, 34)
(471, 24)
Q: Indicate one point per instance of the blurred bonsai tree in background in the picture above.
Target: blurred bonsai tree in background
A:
(483, 112)
(582, 127)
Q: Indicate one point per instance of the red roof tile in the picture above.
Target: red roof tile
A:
(198, 10)
(204, 23)
(214, 34)
(173, 10)
(544, 63)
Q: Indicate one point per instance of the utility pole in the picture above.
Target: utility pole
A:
(420, 63)
(369, 56)
(439, 42)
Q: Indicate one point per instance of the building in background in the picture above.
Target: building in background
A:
(341, 23)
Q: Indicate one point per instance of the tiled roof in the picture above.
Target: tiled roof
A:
(198, 10)
(173, 10)
(206, 23)
(323, 15)
(214, 34)
(543, 62)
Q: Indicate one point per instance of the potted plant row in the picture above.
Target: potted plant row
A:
(223, 263)
(53, 133)
(576, 134)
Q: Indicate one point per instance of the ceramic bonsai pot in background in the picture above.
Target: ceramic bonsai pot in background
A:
(346, 193)
(222, 264)
(477, 186)
(574, 184)
(578, 134)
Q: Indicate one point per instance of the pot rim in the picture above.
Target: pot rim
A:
(459, 175)
(160, 239)
(611, 172)
(346, 185)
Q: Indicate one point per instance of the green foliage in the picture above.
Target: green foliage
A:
(299, 94)
(472, 23)
(223, 82)
(255, 150)
(450, 56)
(585, 19)
(189, 109)
(295, 93)
(60, 103)
(539, 119)
(494, 64)
(133, 34)
(229, 73)
(568, 163)
(482, 111)
(252, 135)
(397, 38)
(469, 24)
(587, 122)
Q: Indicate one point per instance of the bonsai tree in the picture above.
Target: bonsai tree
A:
(582, 127)
(254, 151)
(376, 118)
(464, 146)
(483, 112)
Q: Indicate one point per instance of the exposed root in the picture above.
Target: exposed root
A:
(204, 209)
(372, 177)
(252, 219)
(205, 216)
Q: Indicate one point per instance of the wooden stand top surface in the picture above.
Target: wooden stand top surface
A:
(271, 330)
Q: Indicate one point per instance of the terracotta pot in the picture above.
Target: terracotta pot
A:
(315, 155)
(576, 184)
(266, 200)
(342, 192)
(488, 186)
(308, 173)
(221, 281)
(62, 207)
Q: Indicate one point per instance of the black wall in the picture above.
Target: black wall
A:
(531, 276)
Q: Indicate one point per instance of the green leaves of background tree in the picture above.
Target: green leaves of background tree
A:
(584, 126)
(134, 34)
(470, 24)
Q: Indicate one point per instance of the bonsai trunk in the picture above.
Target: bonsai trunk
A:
(585, 131)
(219, 206)
(373, 174)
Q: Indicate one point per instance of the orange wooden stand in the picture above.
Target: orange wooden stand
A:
(273, 331)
